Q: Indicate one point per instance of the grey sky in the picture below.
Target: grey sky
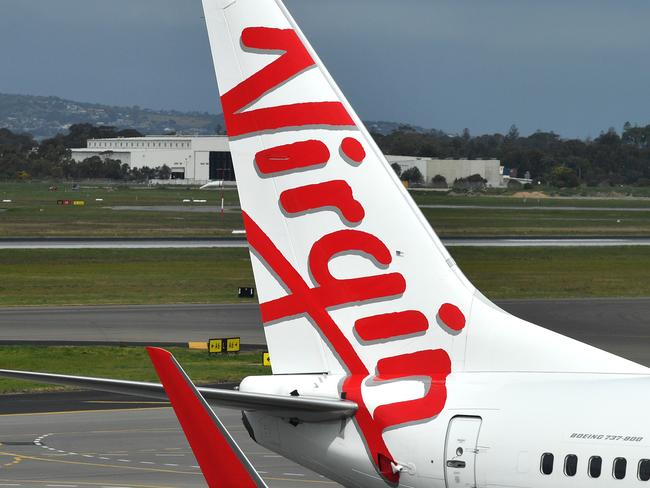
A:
(573, 66)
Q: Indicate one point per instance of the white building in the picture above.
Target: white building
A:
(200, 159)
(197, 159)
(453, 169)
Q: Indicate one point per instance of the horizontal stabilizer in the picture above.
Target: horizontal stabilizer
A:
(310, 409)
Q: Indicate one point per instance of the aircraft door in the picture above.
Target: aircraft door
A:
(460, 452)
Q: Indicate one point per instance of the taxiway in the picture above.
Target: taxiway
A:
(618, 325)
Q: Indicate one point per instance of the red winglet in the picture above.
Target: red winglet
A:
(222, 462)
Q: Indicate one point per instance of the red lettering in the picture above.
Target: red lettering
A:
(316, 310)
(434, 364)
(452, 317)
(333, 291)
(335, 194)
(292, 157)
(294, 60)
(353, 150)
(391, 325)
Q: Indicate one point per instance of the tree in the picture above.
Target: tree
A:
(472, 182)
(439, 181)
(163, 172)
(513, 133)
(413, 175)
(397, 168)
(610, 138)
(563, 177)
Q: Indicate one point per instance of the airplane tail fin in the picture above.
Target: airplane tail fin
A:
(351, 278)
(222, 462)
(350, 275)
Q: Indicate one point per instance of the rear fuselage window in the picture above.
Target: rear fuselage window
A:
(547, 463)
(644, 469)
(595, 466)
(571, 465)
(620, 466)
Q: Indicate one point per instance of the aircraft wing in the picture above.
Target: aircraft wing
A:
(313, 409)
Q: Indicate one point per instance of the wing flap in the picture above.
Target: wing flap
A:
(309, 409)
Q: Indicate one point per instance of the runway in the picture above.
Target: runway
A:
(237, 242)
(618, 325)
(129, 448)
(131, 243)
(532, 206)
(203, 208)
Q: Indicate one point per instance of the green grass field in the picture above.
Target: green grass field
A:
(158, 276)
(57, 277)
(34, 194)
(59, 221)
(33, 212)
(112, 276)
(495, 222)
(127, 363)
(424, 197)
(163, 276)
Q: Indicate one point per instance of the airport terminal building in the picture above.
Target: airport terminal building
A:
(194, 159)
(201, 159)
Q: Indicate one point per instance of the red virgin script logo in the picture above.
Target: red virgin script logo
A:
(314, 301)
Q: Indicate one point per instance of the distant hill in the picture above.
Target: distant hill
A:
(384, 128)
(44, 117)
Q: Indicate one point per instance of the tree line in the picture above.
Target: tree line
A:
(23, 158)
(609, 159)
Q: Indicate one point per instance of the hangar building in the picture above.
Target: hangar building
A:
(453, 169)
(195, 158)
(200, 159)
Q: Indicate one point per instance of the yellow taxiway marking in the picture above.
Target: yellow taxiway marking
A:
(99, 465)
(108, 402)
(157, 470)
(299, 480)
(17, 459)
(80, 411)
(128, 485)
(81, 483)
(61, 461)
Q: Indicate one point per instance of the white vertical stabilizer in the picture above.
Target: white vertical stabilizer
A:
(351, 278)
(343, 258)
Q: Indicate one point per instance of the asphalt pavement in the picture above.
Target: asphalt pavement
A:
(618, 325)
(141, 324)
(239, 242)
(92, 439)
(128, 448)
